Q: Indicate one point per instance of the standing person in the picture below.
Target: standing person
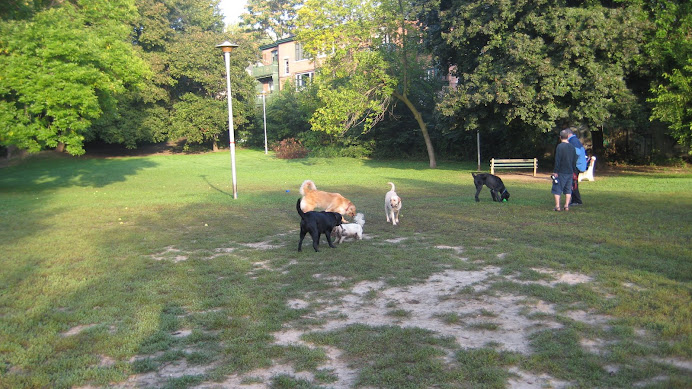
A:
(581, 166)
(565, 166)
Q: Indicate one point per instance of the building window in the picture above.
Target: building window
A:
(275, 56)
(286, 68)
(431, 74)
(299, 52)
(303, 79)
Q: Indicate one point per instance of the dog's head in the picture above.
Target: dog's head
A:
(338, 219)
(505, 195)
(351, 209)
(395, 202)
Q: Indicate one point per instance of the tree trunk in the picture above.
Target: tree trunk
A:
(423, 127)
(60, 147)
(214, 146)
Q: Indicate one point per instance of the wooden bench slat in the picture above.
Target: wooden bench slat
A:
(513, 160)
(513, 163)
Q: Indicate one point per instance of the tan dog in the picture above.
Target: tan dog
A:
(330, 202)
(392, 205)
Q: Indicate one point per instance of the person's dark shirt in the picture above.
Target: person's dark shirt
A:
(565, 158)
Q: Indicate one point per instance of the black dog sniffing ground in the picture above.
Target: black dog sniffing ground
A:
(317, 223)
(494, 183)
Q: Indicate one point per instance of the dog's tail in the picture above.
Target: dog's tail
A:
(392, 184)
(307, 186)
(300, 211)
(474, 175)
(359, 219)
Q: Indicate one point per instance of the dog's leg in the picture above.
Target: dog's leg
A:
(316, 239)
(329, 241)
(493, 194)
(302, 236)
(386, 212)
(391, 216)
(396, 214)
(478, 191)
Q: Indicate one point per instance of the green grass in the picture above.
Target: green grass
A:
(152, 257)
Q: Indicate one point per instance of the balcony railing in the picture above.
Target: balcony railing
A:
(265, 71)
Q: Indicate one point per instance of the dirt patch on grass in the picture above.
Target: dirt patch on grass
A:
(458, 304)
(441, 304)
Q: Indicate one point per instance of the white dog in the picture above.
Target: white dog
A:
(392, 205)
(351, 230)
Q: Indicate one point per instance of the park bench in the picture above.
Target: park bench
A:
(513, 163)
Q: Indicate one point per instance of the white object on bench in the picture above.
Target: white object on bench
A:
(588, 174)
(513, 163)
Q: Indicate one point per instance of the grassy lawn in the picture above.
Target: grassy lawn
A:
(144, 272)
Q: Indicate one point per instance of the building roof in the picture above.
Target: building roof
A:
(277, 43)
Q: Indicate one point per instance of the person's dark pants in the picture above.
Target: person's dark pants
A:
(576, 197)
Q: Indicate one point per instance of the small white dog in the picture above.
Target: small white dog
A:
(392, 205)
(351, 230)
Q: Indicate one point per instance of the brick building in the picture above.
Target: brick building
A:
(281, 61)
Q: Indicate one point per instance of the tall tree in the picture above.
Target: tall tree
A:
(670, 51)
(275, 18)
(61, 70)
(375, 60)
(178, 38)
(536, 64)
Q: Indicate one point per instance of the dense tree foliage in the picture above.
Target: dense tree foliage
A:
(177, 38)
(373, 60)
(61, 70)
(670, 51)
(123, 71)
(536, 64)
(137, 71)
(273, 18)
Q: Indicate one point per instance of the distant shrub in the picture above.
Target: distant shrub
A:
(290, 149)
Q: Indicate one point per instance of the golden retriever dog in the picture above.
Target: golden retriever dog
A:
(330, 202)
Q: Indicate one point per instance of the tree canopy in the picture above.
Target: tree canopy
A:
(275, 18)
(60, 70)
(116, 71)
(539, 63)
(372, 59)
(670, 50)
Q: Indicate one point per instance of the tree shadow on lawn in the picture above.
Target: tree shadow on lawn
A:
(26, 190)
(43, 173)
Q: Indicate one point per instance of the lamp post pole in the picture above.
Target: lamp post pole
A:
(227, 47)
(264, 113)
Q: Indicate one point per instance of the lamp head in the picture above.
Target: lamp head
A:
(227, 46)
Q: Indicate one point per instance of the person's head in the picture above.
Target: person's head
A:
(564, 134)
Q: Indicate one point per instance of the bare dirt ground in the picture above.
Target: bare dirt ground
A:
(512, 319)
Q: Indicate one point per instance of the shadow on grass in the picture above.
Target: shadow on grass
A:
(43, 173)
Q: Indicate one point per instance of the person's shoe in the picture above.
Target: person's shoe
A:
(575, 204)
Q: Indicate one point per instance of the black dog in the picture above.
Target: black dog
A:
(317, 223)
(494, 183)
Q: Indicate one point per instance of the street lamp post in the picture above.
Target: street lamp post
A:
(264, 113)
(227, 47)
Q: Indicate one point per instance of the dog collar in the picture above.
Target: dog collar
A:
(504, 191)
